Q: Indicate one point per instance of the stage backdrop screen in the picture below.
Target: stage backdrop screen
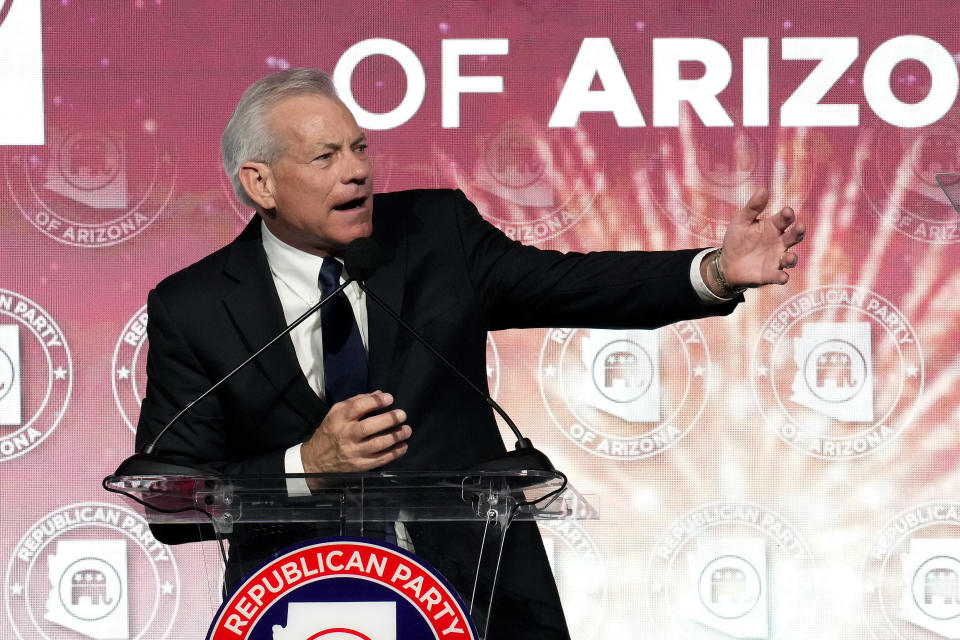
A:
(788, 471)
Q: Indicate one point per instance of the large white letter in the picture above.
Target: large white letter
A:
(803, 108)
(669, 90)
(943, 81)
(756, 82)
(21, 74)
(596, 58)
(416, 82)
(454, 84)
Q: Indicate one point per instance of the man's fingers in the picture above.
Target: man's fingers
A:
(387, 456)
(789, 260)
(794, 234)
(360, 405)
(754, 207)
(383, 441)
(783, 219)
(373, 425)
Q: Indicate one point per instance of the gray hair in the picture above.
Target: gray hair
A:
(247, 136)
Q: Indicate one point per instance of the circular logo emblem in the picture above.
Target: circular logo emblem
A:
(734, 568)
(339, 589)
(899, 180)
(92, 188)
(625, 395)
(91, 569)
(700, 178)
(531, 183)
(911, 574)
(129, 376)
(36, 374)
(837, 372)
(580, 573)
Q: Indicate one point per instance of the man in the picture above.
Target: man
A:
(295, 153)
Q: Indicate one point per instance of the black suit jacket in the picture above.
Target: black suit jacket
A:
(452, 276)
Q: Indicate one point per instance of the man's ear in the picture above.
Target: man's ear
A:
(257, 181)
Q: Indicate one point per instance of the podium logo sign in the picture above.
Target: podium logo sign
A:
(21, 74)
(837, 372)
(36, 375)
(91, 187)
(129, 376)
(734, 568)
(339, 621)
(604, 388)
(343, 589)
(95, 570)
(911, 575)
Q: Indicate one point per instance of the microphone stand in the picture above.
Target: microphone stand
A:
(525, 456)
(148, 462)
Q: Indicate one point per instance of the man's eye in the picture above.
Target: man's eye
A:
(324, 156)
(361, 148)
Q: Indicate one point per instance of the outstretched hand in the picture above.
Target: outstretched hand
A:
(756, 249)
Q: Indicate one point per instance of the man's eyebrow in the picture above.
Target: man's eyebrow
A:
(336, 145)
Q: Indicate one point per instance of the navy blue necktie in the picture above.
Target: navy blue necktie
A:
(344, 358)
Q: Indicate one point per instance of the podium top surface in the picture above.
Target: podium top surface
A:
(354, 497)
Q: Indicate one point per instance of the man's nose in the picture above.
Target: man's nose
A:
(358, 168)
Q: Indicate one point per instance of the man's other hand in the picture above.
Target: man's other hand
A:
(756, 248)
(350, 439)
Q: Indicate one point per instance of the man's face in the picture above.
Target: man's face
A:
(321, 187)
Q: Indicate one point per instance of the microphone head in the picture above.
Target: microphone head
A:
(362, 258)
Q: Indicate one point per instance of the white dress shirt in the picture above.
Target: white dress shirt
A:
(295, 275)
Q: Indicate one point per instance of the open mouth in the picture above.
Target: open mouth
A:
(350, 204)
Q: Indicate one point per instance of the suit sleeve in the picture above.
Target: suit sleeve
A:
(523, 286)
(175, 377)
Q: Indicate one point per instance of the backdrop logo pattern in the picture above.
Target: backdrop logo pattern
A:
(900, 182)
(129, 368)
(732, 567)
(700, 178)
(388, 595)
(604, 389)
(530, 183)
(93, 188)
(36, 372)
(911, 574)
(815, 372)
(581, 575)
(92, 569)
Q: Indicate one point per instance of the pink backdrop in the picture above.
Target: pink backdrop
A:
(787, 472)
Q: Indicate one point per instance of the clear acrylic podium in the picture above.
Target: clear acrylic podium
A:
(183, 508)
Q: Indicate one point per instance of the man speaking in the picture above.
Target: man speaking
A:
(350, 390)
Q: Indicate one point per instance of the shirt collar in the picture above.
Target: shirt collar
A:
(297, 269)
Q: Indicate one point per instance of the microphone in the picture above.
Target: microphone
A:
(148, 462)
(361, 260)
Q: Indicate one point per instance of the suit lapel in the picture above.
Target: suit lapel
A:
(387, 283)
(255, 309)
